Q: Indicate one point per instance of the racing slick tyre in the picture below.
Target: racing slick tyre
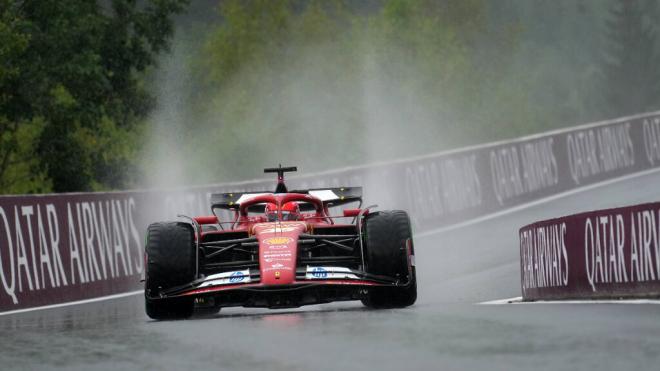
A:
(170, 262)
(386, 242)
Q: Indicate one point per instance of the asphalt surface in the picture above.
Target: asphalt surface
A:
(445, 330)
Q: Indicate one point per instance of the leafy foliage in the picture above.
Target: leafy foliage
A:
(71, 77)
(318, 83)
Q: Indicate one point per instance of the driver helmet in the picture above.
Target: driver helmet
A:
(271, 212)
(290, 211)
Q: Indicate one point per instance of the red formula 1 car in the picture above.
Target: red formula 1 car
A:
(281, 250)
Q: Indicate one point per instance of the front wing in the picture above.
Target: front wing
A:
(313, 285)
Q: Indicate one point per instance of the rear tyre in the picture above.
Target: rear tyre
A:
(386, 236)
(171, 258)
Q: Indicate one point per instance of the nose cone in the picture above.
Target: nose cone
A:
(278, 251)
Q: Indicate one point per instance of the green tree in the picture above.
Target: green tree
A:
(288, 80)
(71, 75)
(16, 164)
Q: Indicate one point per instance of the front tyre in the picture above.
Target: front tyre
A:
(171, 262)
(387, 238)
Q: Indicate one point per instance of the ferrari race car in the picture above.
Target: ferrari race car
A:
(280, 250)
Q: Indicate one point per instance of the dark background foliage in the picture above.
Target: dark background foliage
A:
(98, 95)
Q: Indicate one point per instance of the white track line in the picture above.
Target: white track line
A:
(70, 303)
(518, 300)
(537, 202)
(513, 300)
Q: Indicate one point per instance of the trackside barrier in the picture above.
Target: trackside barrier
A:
(67, 247)
(612, 253)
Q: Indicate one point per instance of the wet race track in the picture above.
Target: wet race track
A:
(445, 330)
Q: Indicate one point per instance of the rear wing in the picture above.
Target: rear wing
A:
(329, 196)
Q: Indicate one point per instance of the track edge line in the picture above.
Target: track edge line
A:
(72, 303)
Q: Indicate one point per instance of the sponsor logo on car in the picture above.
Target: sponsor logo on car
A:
(270, 260)
(319, 272)
(237, 276)
(227, 278)
(278, 230)
(329, 273)
(271, 255)
(278, 240)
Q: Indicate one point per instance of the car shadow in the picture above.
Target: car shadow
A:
(275, 313)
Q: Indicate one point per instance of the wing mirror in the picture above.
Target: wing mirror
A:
(354, 212)
(202, 220)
